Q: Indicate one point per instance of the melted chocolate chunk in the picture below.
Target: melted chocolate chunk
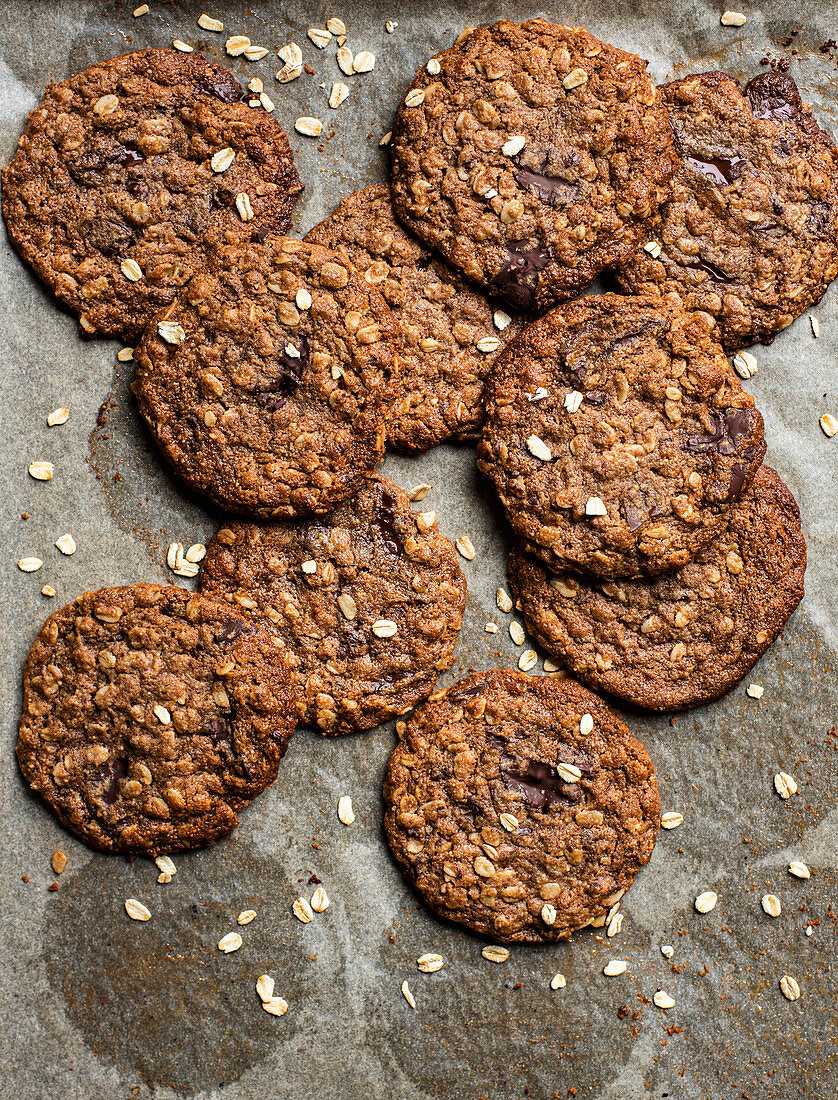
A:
(649, 326)
(716, 274)
(289, 372)
(818, 217)
(233, 629)
(728, 432)
(112, 773)
(634, 517)
(540, 784)
(218, 729)
(552, 191)
(518, 276)
(773, 95)
(125, 154)
(719, 170)
(385, 521)
(458, 694)
(228, 90)
(111, 238)
(596, 397)
(737, 480)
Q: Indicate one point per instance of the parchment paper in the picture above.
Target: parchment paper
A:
(99, 1006)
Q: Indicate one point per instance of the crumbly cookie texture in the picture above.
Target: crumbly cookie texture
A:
(530, 158)
(520, 806)
(265, 382)
(129, 170)
(689, 636)
(618, 436)
(368, 601)
(449, 335)
(151, 716)
(749, 232)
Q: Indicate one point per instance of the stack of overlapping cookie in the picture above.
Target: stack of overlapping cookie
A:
(657, 558)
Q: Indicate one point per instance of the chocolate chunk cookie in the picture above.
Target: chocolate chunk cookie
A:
(749, 234)
(265, 382)
(690, 636)
(450, 336)
(151, 716)
(127, 171)
(529, 156)
(520, 806)
(618, 436)
(368, 600)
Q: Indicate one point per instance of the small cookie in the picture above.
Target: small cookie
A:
(151, 716)
(129, 170)
(618, 436)
(529, 156)
(450, 335)
(369, 601)
(508, 817)
(690, 636)
(265, 382)
(749, 233)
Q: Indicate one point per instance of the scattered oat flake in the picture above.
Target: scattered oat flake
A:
(364, 62)
(829, 425)
(733, 19)
(415, 97)
(491, 628)
(558, 981)
(573, 400)
(568, 772)
(125, 355)
(816, 326)
(29, 565)
(265, 987)
(48, 590)
(196, 552)
(136, 910)
(539, 449)
(509, 822)
(419, 492)
(495, 953)
(785, 785)
(345, 812)
(229, 943)
(345, 60)
(586, 725)
(171, 332)
(302, 910)
(390, 26)
(319, 900)
(319, 36)
(516, 632)
(141, 10)
(384, 628)
(671, 820)
(276, 1006)
(663, 1000)
(41, 471)
(338, 94)
(771, 905)
(162, 714)
(789, 987)
(799, 869)
(513, 145)
(255, 53)
(408, 996)
(430, 963)
(653, 248)
(166, 866)
(244, 207)
(755, 691)
(310, 127)
(527, 660)
(336, 26)
(207, 23)
(58, 861)
(595, 507)
(184, 47)
(66, 544)
(539, 395)
(615, 925)
(465, 547)
(501, 319)
(614, 968)
(745, 364)
(503, 600)
(575, 78)
(222, 160)
(58, 416)
(386, 139)
(706, 902)
(246, 916)
(667, 950)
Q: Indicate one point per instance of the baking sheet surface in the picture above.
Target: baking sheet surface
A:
(96, 1005)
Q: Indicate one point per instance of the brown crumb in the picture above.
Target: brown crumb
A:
(58, 861)
(52, 889)
(24, 878)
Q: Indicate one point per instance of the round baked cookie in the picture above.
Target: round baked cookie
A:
(529, 155)
(618, 436)
(127, 171)
(450, 336)
(265, 381)
(520, 806)
(151, 716)
(690, 636)
(369, 601)
(749, 232)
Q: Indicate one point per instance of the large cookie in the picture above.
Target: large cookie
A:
(618, 436)
(450, 336)
(689, 636)
(749, 233)
(529, 156)
(265, 381)
(520, 806)
(151, 716)
(127, 171)
(369, 601)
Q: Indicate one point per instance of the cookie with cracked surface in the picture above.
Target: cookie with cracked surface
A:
(450, 335)
(120, 182)
(520, 806)
(618, 436)
(749, 232)
(529, 155)
(151, 716)
(369, 601)
(265, 381)
(690, 636)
